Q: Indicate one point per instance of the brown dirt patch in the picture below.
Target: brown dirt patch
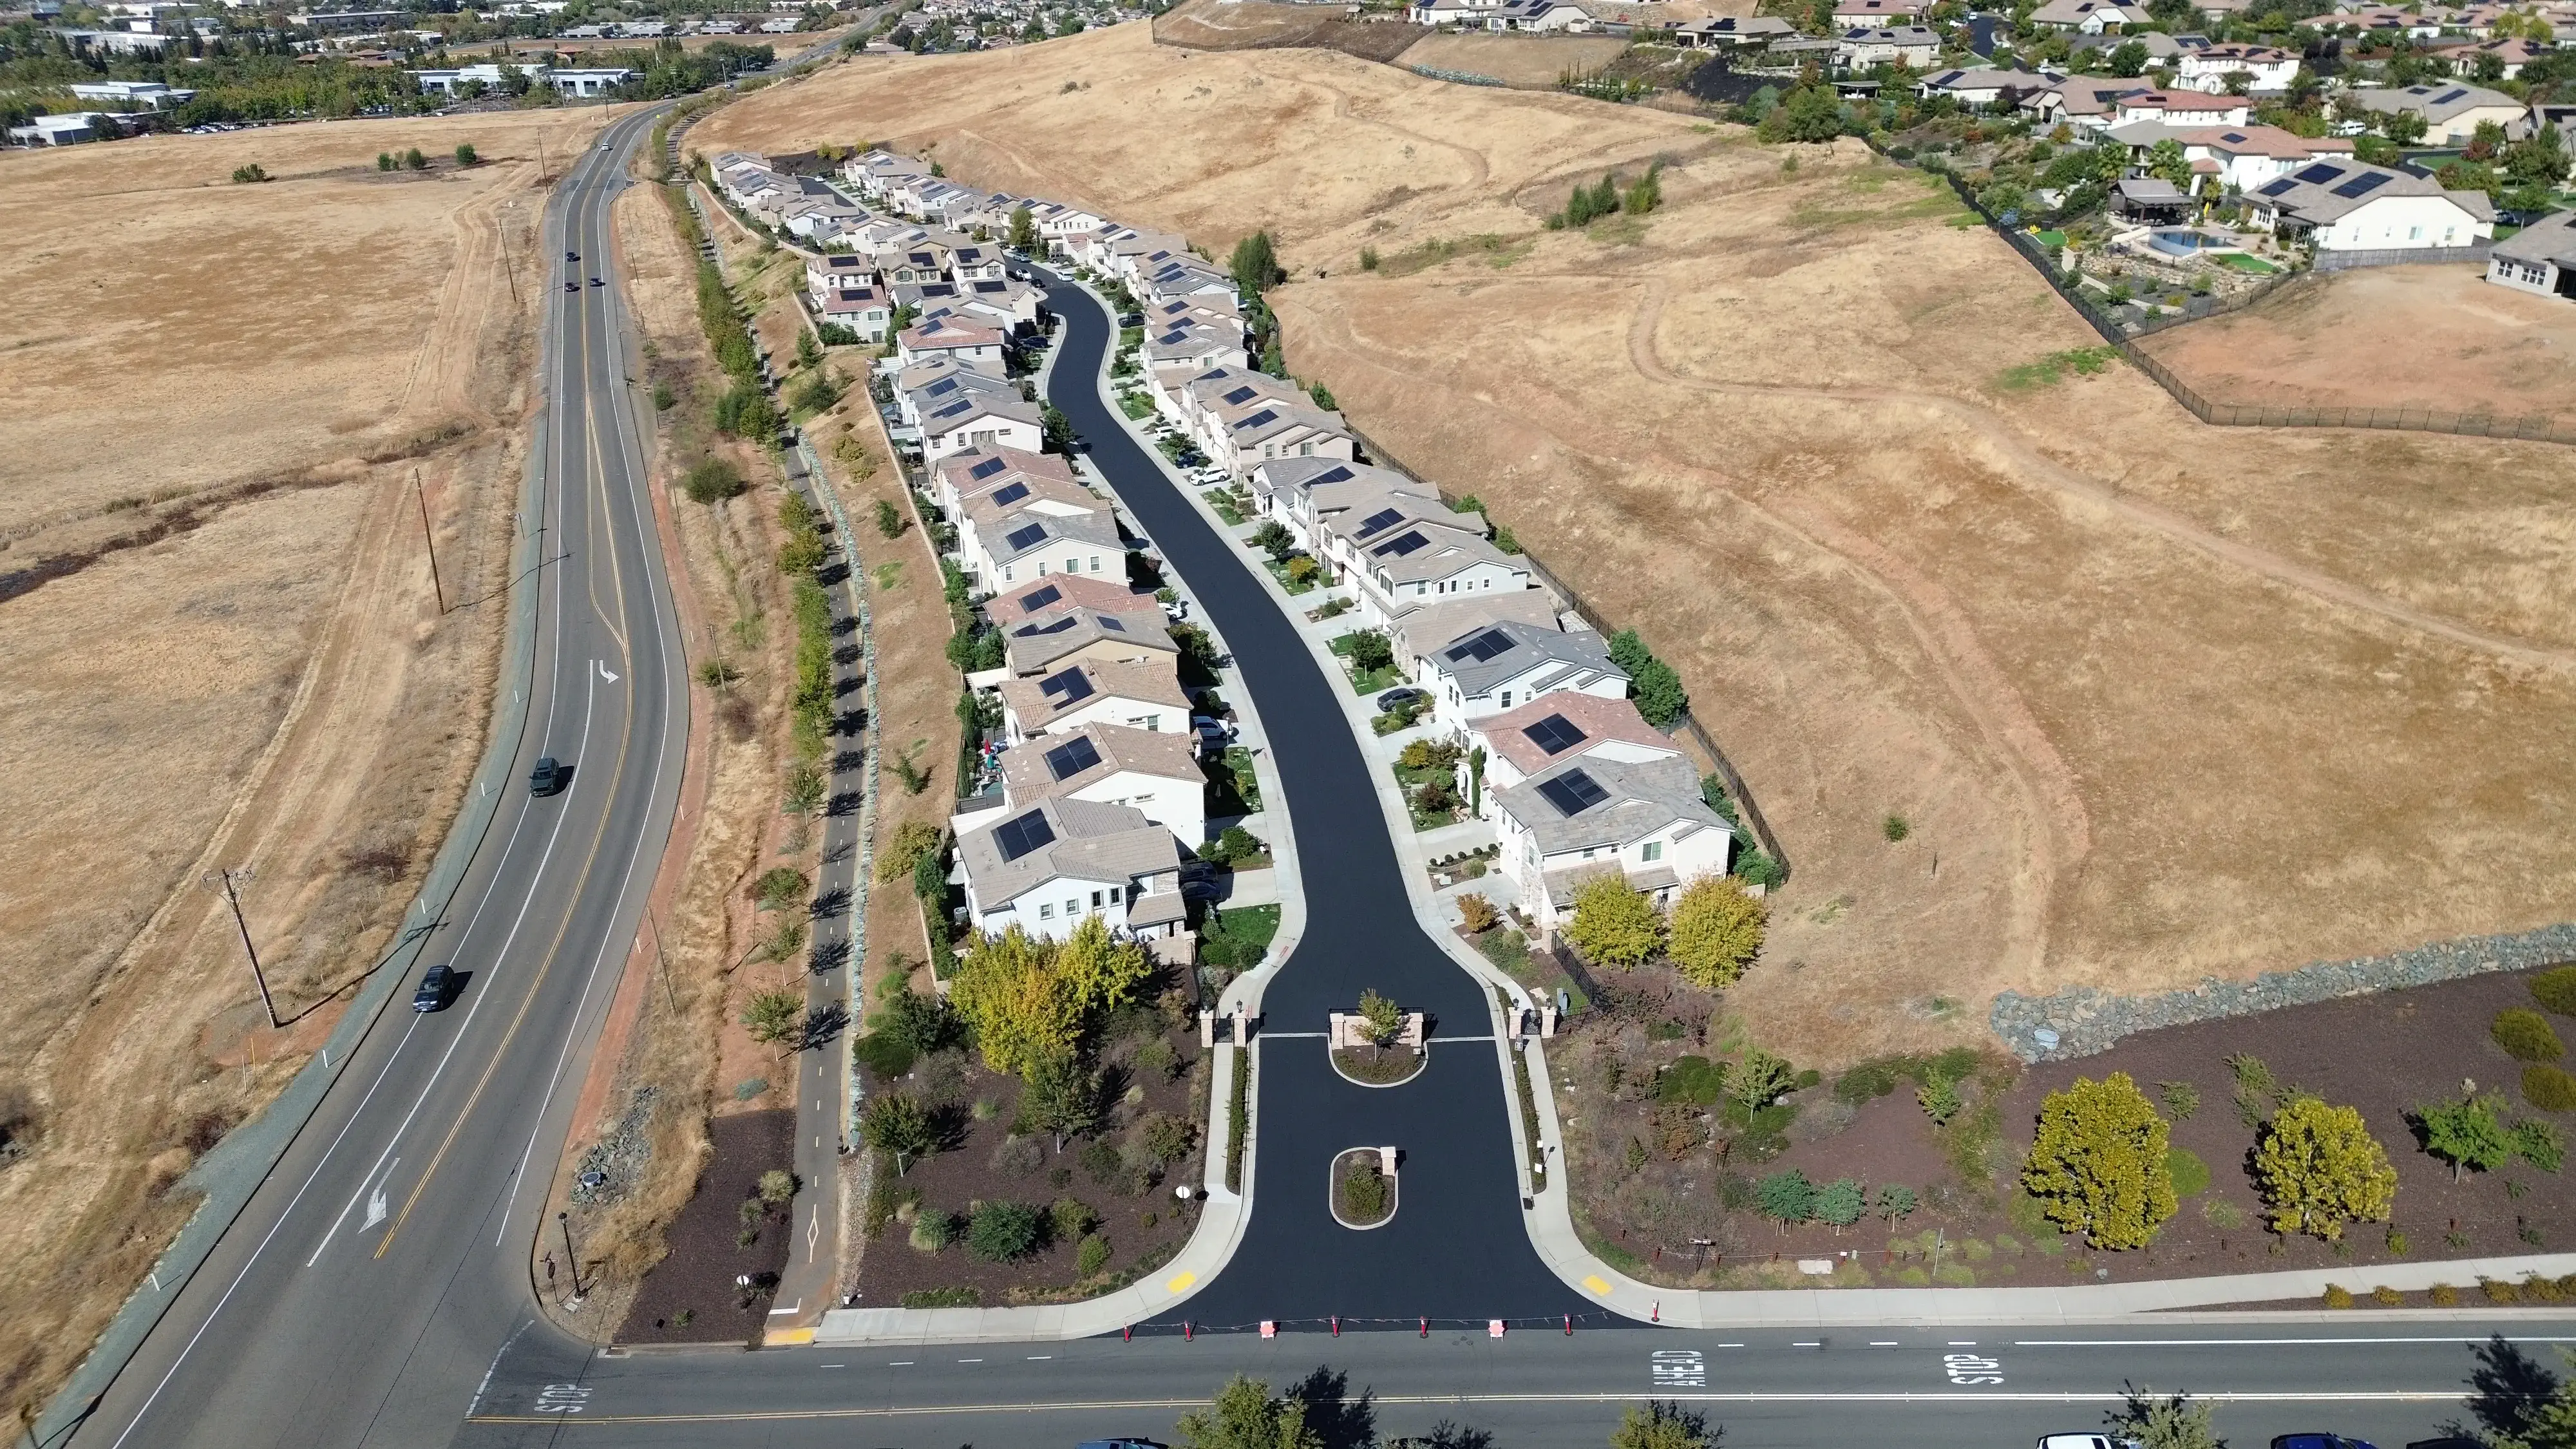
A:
(2438, 338)
(691, 1296)
(1252, 25)
(2384, 1054)
(2138, 684)
(259, 674)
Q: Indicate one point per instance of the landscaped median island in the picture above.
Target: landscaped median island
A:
(1379, 1044)
(2404, 1126)
(1364, 1187)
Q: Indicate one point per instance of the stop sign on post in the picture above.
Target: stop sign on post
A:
(1270, 1328)
(1493, 1328)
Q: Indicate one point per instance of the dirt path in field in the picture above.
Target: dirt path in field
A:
(2026, 462)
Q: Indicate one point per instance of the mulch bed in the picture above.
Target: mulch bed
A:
(2383, 1053)
(690, 1296)
(1107, 1171)
(1379, 1067)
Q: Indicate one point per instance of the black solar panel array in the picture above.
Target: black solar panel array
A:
(1016, 838)
(1573, 792)
(1555, 734)
(1065, 688)
(1380, 521)
(1072, 757)
(986, 469)
(1009, 493)
(1399, 547)
(1481, 648)
(1028, 537)
(2362, 185)
(1040, 598)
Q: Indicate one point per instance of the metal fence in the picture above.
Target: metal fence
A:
(2121, 332)
(1736, 790)
(2328, 261)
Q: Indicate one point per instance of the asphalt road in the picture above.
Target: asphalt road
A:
(2386, 1383)
(1456, 1248)
(364, 1291)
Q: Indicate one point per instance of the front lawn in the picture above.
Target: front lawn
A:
(1136, 406)
(1223, 503)
(1442, 780)
(2252, 266)
(1247, 785)
(1313, 580)
(1234, 940)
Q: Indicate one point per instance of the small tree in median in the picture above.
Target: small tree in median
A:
(2319, 1168)
(2099, 1162)
(1615, 924)
(775, 1018)
(1385, 1022)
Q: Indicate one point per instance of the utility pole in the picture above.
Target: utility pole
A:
(230, 881)
(564, 1221)
(664, 962)
(422, 494)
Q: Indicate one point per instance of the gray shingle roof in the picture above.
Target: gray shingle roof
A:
(1493, 654)
(1092, 842)
(1636, 800)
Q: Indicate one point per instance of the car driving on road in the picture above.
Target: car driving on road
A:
(548, 777)
(435, 983)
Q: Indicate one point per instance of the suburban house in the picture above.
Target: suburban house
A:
(1156, 774)
(1080, 635)
(1911, 46)
(2352, 206)
(963, 476)
(2086, 17)
(1732, 32)
(1258, 432)
(1562, 826)
(2451, 110)
(2209, 68)
(1043, 598)
(1139, 696)
(844, 269)
(2181, 108)
(1407, 552)
(1048, 868)
(976, 418)
(1496, 666)
(1434, 626)
(945, 337)
(1304, 492)
(1194, 348)
(2512, 53)
(864, 310)
(1558, 729)
(1194, 400)
(2231, 158)
(1032, 538)
(2540, 258)
(940, 380)
(1983, 88)
(1862, 14)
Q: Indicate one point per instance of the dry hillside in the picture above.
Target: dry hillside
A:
(2158, 701)
(218, 643)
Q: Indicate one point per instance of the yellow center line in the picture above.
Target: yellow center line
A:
(590, 858)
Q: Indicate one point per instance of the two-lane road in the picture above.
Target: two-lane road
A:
(366, 1289)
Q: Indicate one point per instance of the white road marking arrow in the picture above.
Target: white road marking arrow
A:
(375, 1207)
(603, 670)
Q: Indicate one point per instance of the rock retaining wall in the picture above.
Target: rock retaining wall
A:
(2088, 1020)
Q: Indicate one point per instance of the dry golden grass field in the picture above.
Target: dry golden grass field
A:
(2159, 701)
(214, 402)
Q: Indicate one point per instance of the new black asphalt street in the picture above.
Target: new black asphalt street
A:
(1456, 1248)
(2389, 1383)
(364, 1291)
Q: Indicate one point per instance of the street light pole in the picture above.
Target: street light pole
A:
(229, 880)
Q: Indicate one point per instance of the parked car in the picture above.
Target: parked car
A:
(1214, 733)
(1402, 695)
(2084, 1441)
(2317, 1441)
(548, 777)
(435, 983)
(1118, 1444)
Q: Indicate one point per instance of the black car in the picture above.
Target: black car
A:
(572, 256)
(548, 777)
(596, 282)
(572, 286)
(435, 983)
(1397, 697)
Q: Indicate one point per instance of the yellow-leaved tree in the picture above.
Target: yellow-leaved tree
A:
(2319, 1168)
(1717, 928)
(1007, 990)
(1614, 923)
(1100, 972)
(2098, 1163)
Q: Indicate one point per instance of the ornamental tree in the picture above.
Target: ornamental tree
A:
(2098, 1162)
(2319, 1168)
(1245, 1416)
(2465, 1134)
(1716, 931)
(1614, 924)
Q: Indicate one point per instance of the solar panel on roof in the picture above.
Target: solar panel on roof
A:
(1481, 648)
(1555, 734)
(1072, 757)
(1112, 625)
(2233, 136)
(1334, 474)
(1573, 792)
(1028, 537)
(1380, 521)
(2276, 188)
(1399, 547)
(1052, 626)
(2318, 174)
(1010, 493)
(2362, 185)
(1242, 394)
(1065, 688)
(2446, 97)
(1040, 598)
(1261, 419)
(1016, 838)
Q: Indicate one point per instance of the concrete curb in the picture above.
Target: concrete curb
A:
(234, 1171)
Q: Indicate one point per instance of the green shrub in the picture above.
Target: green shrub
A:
(2386, 1297)
(2525, 1036)
(2556, 990)
(932, 1231)
(1072, 1218)
(2190, 1175)
(1692, 1079)
(2443, 1295)
(1092, 1256)
(1005, 1232)
(2338, 1296)
(2536, 1141)
(1869, 1080)
(885, 1055)
(2550, 1089)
